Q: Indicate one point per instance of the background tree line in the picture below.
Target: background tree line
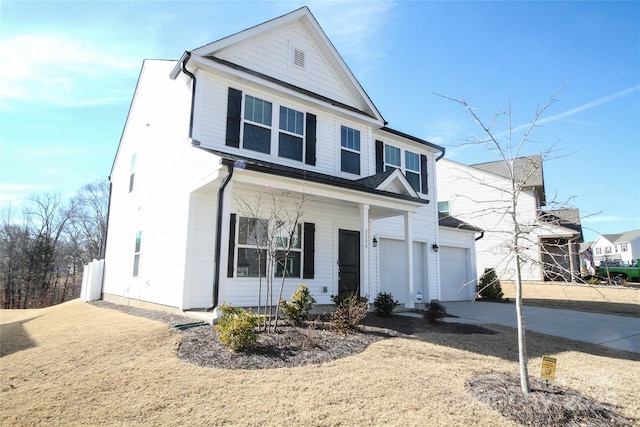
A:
(45, 243)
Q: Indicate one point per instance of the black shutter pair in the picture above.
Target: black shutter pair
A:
(234, 109)
(308, 251)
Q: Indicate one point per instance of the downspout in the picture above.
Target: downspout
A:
(193, 89)
(441, 154)
(216, 273)
(480, 236)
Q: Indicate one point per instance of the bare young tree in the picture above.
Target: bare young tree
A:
(274, 227)
(520, 234)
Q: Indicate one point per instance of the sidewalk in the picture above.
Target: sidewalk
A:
(619, 332)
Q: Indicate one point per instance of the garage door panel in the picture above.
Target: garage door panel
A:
(454, 274)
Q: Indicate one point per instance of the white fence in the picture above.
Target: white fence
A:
(92, 281)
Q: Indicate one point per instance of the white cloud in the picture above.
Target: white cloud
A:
(56, 70)
(609, 218)
(583, 107)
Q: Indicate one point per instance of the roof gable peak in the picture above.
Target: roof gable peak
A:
(295, 49)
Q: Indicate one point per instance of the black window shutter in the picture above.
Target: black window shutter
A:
(379, 157)
(310, 141)
(309, 250)
(423, 174)
(234, 107)
(232, 245)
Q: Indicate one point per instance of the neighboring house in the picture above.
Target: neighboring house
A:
(479, 195)
(621, 248)
(269, 115)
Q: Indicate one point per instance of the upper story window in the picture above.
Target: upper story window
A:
(443, 207)
(350, 150)
(623, 246)
(253, 129)
(615, 249)
(132, 172)
(257, 125)
(290, 139)
(412, 169)
(607, 249)
(391, 157)
(598, 251)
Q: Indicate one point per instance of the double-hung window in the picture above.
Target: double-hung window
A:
(412, 169)
(288, 239)
(391, 157)
(252, 245)
(257, 124)
(136, 254)
(255, 239)
(290, 139)
(350, 150)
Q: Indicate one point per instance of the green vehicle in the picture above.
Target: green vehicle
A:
(620, 273)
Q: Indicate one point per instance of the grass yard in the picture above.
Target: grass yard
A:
(79, 364)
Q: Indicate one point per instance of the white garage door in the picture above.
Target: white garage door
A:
(454, 274)
(393, 276)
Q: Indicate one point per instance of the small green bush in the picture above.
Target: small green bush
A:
(489, 286)
(384, 304)
(237, 328)
(299, 305)
(593, 280)
(434, 311)
(349, 311)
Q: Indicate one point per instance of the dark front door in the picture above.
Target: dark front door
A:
(348, 262)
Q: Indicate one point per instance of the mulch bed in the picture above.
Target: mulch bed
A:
(315, 342)
(546, 405)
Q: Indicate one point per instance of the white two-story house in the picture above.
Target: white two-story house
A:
(622, 248)
(270, 116)
(480, 195)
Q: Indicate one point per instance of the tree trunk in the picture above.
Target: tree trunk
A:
(522, 347)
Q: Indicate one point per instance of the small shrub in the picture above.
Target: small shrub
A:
(384, 304)
(593, 280)
(489, 286)
(349, 311)
(434, 311)
(299, 305)
(237, 328)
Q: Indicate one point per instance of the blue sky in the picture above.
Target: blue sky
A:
(68, 71)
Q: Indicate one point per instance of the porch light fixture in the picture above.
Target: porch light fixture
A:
(435, 247)
(375, 242)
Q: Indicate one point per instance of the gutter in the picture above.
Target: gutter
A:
(438, 158)
(216, 274)
(187, 55)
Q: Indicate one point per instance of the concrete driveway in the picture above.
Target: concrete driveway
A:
(619, 332)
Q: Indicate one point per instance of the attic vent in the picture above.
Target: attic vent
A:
(298, 57)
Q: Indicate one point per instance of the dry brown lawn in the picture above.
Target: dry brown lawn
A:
(79, 364)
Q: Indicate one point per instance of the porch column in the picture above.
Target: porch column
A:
(408, 241)
(365, 244)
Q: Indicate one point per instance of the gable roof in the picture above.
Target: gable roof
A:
(624, 237)
(448, 221)
(567, 218)
(526, 170)
(303, 17)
